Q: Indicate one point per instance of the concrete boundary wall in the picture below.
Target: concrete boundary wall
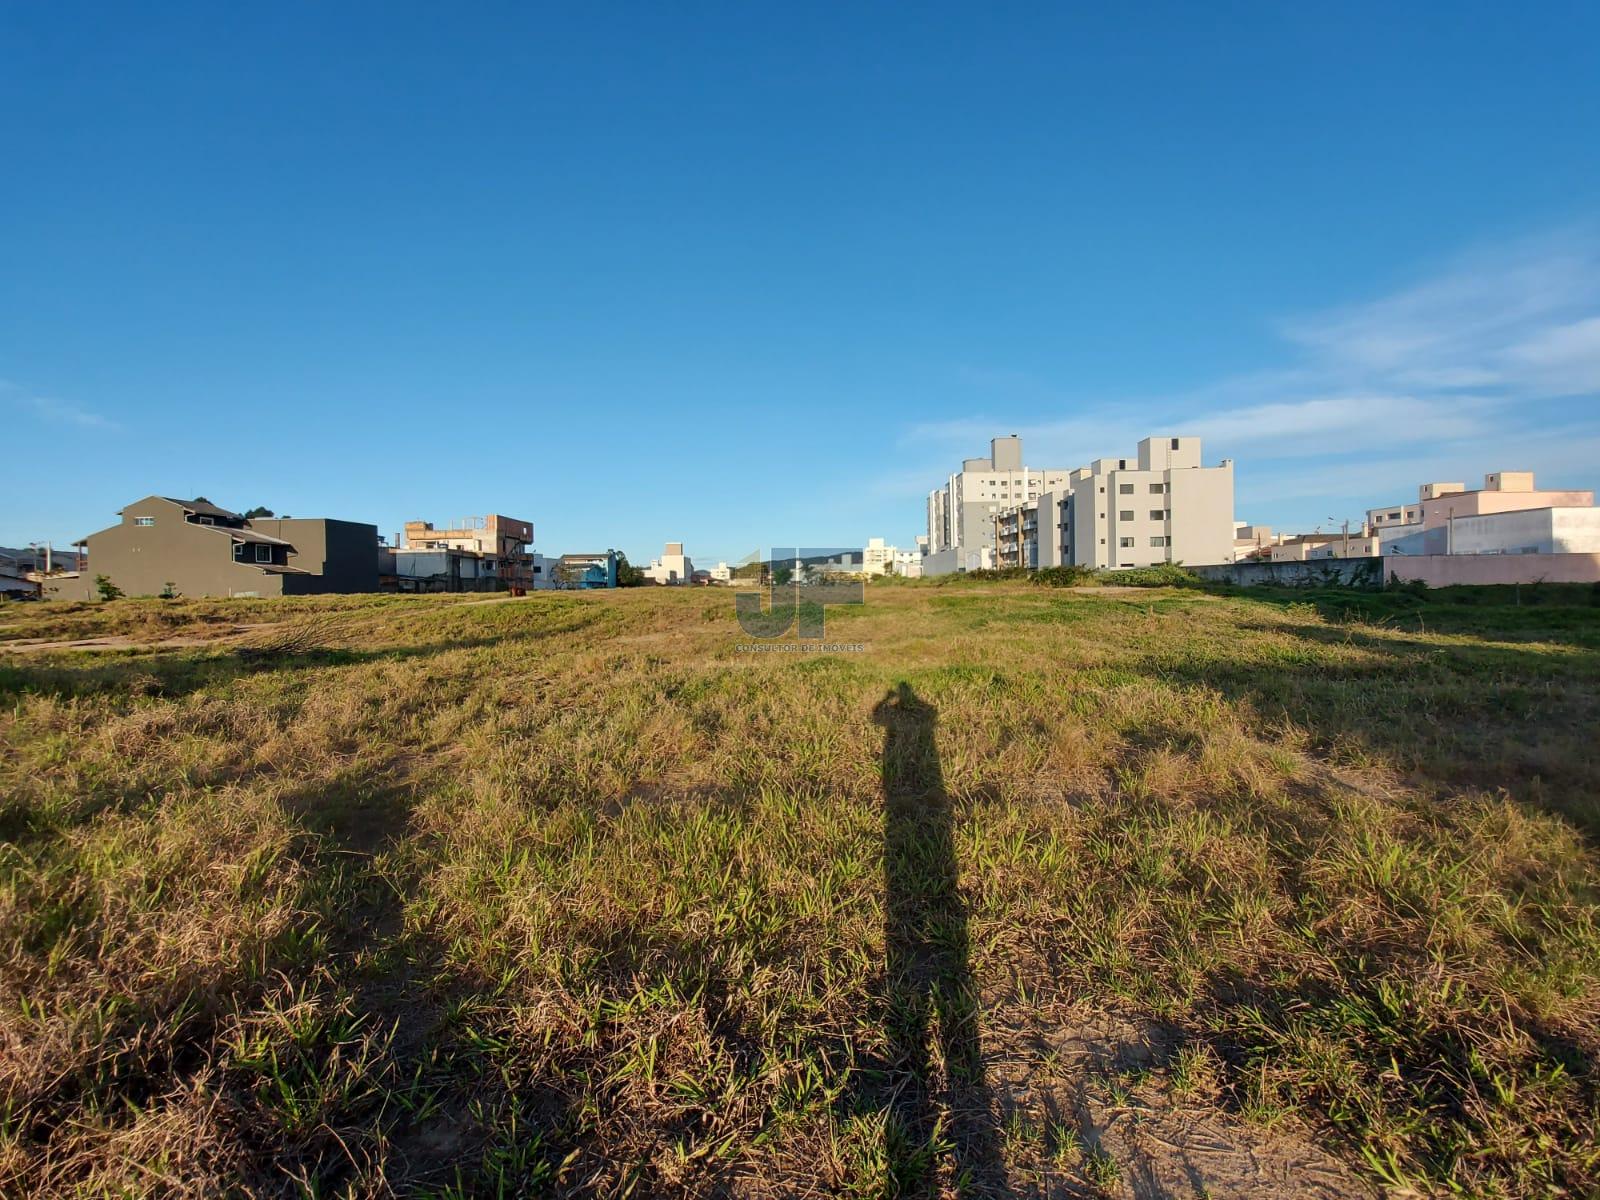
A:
(1316, 572)
(1442, 570)
(1433, 570)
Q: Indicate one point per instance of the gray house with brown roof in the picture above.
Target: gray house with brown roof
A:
(195, 548)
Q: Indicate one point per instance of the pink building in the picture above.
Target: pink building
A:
(1503, 491)
(1441, 506)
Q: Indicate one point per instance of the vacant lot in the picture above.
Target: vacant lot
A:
(1041, 893)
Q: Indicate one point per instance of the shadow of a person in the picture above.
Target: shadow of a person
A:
(928, 977)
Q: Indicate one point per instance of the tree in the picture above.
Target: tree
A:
(628, 575)
(107, 589)
(257, 511)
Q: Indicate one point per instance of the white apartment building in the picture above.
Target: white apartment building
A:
(877, 557)
(1161, 506)
(673, 567)
(908, 563)
(962, 514)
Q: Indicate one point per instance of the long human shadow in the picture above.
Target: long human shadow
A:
(931, 998)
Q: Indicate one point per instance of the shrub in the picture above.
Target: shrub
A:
(107, 589)
(992, 574)
(1164, 575)
(1074, 576)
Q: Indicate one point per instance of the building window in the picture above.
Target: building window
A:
(263, 554)
(1158, 541)
(1157, 488)
(238, 551)
(1125, 543)
(1125, 489)
(1125, 514)
(1174, 443)
(1158, 514)
(206, 520)
(144, 520)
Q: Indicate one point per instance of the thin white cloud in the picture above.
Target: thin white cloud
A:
(1289, 428)
(1462, 367)
(1471, 326)
(1334, 423)
(1565, 359)
(59, 412)
(1558, 455)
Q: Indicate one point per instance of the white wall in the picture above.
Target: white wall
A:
(1202, 515)
(1529, 531)
(1577, 531)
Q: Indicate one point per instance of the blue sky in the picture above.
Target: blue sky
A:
(748, 275)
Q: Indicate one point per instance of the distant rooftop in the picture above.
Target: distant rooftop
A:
(204, 508)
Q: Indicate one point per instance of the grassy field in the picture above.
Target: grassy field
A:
(1042, 893)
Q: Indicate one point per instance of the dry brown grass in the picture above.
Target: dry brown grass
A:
(565, 894)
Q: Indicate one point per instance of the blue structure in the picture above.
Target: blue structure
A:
(590, 570)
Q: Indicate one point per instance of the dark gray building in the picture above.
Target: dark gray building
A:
(194, 548)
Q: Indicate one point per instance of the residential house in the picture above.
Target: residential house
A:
(587, 571)
(194, 548)
(14, 581)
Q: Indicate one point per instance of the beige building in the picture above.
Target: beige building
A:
(1348, 545)
(878, 558)
(1253, 541)
(502, 545)
(1300, 547)
(194, 548)
(1162, 506)
(1017, 536)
